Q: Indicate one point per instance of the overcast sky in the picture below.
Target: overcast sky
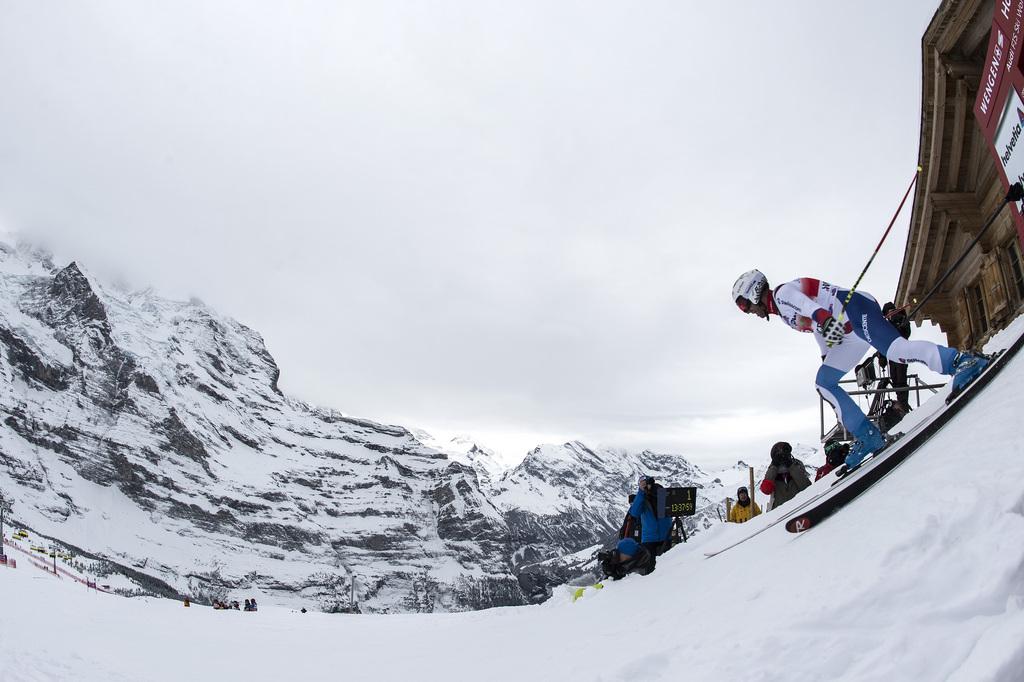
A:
(518, 220)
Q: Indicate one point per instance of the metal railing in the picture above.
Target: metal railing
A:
(838, 429)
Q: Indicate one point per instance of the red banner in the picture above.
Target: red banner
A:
(998, 107)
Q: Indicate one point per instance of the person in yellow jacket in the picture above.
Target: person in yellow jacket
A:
(744, 509)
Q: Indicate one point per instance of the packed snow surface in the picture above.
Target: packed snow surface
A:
(920, 578)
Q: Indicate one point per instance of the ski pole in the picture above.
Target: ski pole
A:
(1016, 193)
(892, 222)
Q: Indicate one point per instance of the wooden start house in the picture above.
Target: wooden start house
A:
(971, 119)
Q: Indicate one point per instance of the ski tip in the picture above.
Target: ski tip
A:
(799, 524)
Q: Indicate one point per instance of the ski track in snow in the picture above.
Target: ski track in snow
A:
(920, 578)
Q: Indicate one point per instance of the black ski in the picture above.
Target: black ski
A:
(884, 461)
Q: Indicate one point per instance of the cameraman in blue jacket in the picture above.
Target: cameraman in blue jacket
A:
(655, 524)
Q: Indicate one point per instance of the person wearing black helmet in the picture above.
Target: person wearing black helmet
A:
(897, 370)
(835, 454)
(785, 477)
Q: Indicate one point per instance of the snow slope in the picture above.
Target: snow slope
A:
(921, 578)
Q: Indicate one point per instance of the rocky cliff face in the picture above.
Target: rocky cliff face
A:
(152, 434)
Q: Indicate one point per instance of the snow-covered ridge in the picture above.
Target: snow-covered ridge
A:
(464, 449)
(152, 434)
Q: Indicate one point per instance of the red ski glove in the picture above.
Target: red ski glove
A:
(767, 487)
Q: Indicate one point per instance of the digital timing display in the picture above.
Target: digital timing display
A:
(681, 501)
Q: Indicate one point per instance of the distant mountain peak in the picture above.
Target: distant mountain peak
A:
(72, 295)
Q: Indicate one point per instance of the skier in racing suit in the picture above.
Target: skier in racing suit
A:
(812, 305)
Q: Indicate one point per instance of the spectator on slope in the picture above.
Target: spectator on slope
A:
(897, 370)
(629, 556)
(744, 509)
(811, 305)
(835, 454)
(247, 606)
(630, 527)
(785, 477)
(655, 524)
(254, 608)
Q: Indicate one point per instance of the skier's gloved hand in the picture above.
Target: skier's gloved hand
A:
(831, 331)
(767, 487)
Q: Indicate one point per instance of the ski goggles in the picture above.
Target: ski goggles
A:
(743, 303)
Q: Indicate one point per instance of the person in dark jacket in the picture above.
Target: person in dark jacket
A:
(785, 477)
(835, 454)
(897, 370)
(630, 527)
(655, 524)
(629, 556)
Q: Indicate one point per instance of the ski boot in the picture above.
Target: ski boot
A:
(966, 368)
(869, 440)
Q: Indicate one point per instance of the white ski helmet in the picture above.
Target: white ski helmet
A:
(749, 288)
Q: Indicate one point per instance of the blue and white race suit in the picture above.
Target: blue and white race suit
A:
(804, 303)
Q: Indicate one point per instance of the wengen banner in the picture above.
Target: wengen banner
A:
(999, 107)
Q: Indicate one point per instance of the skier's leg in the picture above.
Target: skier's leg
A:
(870, 325)
(837, 362)
(937, 358)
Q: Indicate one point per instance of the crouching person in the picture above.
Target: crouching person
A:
(629, 556)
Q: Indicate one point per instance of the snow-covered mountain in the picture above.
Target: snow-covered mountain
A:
(465, 449)
(152, 435)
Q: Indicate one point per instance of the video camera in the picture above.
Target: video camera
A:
(610, 564)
